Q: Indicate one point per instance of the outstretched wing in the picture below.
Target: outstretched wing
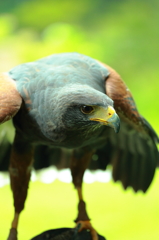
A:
(10, 99)
(134, 152)
(10, 103)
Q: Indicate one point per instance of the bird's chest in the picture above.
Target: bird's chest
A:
(81, 138)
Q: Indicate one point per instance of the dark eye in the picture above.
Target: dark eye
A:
(87, 109)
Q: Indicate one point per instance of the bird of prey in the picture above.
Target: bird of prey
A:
(73, 102)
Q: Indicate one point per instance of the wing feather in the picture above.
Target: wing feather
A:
(10, 99)
(135, 154)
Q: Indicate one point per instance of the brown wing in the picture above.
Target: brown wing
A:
(134, 153)
(10, 99)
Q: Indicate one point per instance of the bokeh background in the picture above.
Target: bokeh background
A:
(125, 35)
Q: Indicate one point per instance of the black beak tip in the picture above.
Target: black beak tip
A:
(117, 128)
(117, 125)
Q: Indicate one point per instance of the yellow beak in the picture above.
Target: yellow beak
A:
(107, 117)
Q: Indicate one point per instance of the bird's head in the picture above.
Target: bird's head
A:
(74, 115)
(102, 115)
(88, 108)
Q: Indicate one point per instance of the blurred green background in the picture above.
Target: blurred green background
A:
(125, 35)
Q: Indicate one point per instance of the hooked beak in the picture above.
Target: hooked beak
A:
(107, 117)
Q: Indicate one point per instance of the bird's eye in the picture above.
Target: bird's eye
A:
(87, 109)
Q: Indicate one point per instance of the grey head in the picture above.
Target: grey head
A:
(73, 117)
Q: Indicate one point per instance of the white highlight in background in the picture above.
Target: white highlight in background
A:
(50, 174)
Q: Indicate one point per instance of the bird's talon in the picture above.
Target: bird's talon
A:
(88, 226)
(78, 227)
